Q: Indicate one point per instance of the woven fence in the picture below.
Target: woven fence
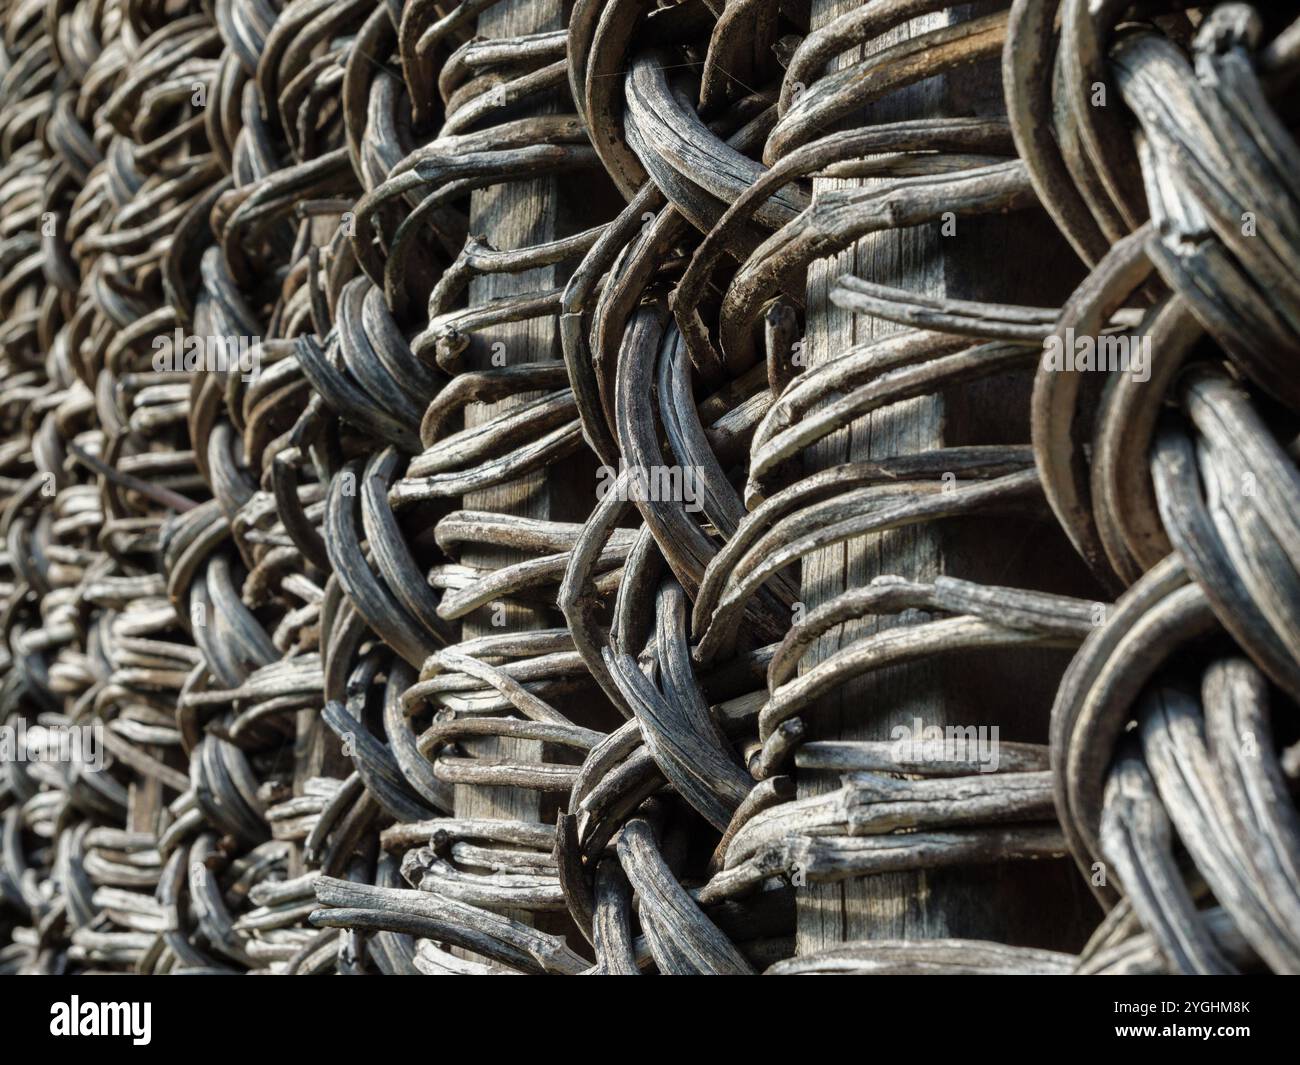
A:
(486, 486)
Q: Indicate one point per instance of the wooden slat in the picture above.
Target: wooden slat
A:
(971, 902)
(513, 215)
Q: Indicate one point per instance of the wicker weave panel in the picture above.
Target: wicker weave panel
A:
(413, 435)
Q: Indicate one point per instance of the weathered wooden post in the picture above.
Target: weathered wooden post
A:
(972, 258)
(515, 214)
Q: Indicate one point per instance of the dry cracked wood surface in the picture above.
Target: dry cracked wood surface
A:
(631, 486)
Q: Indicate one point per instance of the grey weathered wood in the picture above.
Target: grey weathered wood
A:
(973, 902)
(871, 907)
(512, 215)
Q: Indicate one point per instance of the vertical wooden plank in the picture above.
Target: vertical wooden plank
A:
(996, 258)
(513, 215)
(891, 905)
